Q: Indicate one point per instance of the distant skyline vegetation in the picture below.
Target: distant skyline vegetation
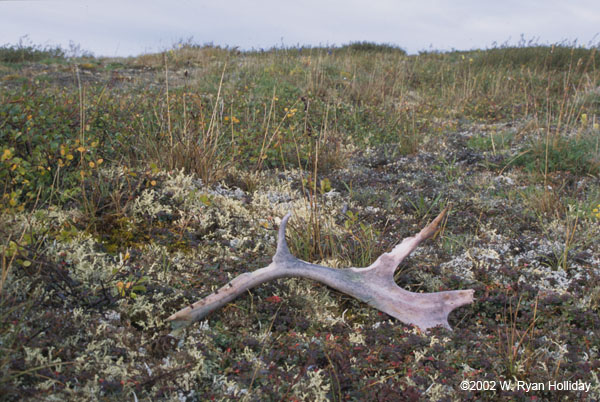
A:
(117, 28)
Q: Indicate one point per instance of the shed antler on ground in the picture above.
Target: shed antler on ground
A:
(373, 285)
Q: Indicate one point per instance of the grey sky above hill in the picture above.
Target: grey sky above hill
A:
(130, 27)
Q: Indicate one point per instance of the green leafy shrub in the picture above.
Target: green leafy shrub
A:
(43, 150)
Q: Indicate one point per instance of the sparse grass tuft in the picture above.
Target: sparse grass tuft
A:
(515, 339)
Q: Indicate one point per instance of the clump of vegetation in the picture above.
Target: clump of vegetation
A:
(578, 156)
(132, 187)
(27, 52)
(372, 47)
(558, 57)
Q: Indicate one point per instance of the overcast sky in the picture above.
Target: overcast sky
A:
(129, 27)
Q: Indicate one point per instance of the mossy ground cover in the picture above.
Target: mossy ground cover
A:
(132, 187)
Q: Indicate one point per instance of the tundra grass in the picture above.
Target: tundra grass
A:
(133, 186)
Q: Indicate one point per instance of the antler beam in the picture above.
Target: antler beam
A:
(373, 285)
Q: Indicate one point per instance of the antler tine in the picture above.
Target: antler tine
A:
(387, 263)
(283, 251)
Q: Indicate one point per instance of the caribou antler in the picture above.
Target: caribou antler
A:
(373, 285)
